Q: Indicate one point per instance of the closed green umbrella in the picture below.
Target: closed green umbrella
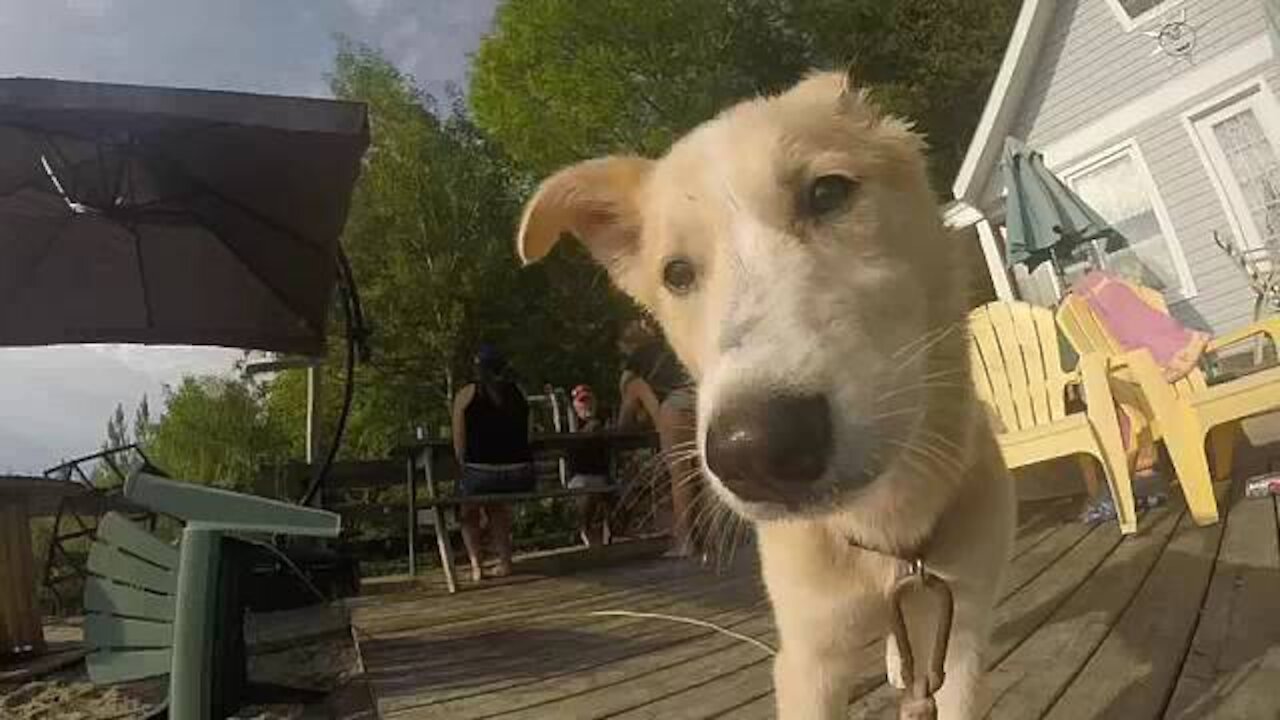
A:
(1045, 219)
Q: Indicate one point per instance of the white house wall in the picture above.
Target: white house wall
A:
(1224, 300)
(1090, 67)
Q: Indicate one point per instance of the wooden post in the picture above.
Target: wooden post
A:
(443, 542)
(314, 449)
(21, 631)
(995, 261)
(410, 500)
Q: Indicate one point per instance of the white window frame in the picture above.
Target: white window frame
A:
(1130, 24)
(1257, 93)
(1130, 147)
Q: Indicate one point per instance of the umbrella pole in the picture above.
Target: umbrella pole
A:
(1059, 278)
(313, 422)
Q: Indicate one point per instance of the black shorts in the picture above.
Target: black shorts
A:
(488, 481)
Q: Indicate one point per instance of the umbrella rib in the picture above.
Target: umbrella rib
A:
(138, 148)
(142, 277)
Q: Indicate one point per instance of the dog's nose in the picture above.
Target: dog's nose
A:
(762, 448)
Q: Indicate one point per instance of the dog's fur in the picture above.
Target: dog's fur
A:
(865, 306)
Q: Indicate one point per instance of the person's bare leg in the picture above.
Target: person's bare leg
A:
(500, 535)
(472, 537)
(587, 520)
(677, 428)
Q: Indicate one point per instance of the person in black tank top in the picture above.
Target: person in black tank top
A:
(491, 440)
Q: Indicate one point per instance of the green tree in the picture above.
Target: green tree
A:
(430, 236)
(143, 428)
(117, 431)
(561, 80)
(930, 60)
(216, 431)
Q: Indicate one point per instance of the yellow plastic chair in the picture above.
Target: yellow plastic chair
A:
(1186, 413)
(1017, 367)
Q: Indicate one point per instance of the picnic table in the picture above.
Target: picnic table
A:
(430, 459)
(22, 498)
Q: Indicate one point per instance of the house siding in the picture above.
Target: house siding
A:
(1273, 20)
(1223, 299)
(1090, 66)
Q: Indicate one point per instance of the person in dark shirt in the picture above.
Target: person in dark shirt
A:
(491, 440)
(656, 388)
(589, 468)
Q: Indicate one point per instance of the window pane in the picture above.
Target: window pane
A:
(1254, 163)
(1120, 194)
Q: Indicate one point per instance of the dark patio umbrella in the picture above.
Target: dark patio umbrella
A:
(1045, 219)
(163, 216)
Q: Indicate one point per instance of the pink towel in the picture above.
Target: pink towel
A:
(1135, 324)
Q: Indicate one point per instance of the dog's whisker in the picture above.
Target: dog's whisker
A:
(941, 439)
(922, 450)
(896, 413)
(924, 343)
(915, 387)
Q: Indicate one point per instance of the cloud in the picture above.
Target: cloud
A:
(90, 8)
(54, 402)
(367, 8)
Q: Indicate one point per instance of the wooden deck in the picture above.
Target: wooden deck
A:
(1177, 621)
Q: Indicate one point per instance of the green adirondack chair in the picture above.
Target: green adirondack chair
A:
(153, 609)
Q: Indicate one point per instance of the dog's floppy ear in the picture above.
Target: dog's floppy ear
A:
(596, 201)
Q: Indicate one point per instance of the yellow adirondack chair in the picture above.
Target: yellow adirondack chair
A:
(1017, 367)
(1187, 413)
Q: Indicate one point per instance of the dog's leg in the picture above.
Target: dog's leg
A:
(893, 663)
(812, 683)
(962, 695)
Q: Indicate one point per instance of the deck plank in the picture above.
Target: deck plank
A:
(1024, 612)
(1021, 611)
(407, 611)
(1087, 626)
(1133, 671)
(720, 656)
(591, 591)
(1239, 630)
(546, 652)
(1028, 681)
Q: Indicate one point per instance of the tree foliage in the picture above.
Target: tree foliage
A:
(216, 431)
(430, 235)
(561, 80)
(431, 223)
(117, 431)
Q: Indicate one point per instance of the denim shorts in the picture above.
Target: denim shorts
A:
(497, 481)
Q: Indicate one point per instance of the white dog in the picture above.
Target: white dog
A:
(792, 250)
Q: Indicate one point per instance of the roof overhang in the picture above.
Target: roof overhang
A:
(1029, 32)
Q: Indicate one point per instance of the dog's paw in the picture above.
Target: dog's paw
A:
(893, 664)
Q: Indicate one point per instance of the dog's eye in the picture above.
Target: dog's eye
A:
(830, 193)
(679, 275)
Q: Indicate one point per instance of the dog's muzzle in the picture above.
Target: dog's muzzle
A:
(771, 448)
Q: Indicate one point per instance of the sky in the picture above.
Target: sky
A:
(54, 402)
